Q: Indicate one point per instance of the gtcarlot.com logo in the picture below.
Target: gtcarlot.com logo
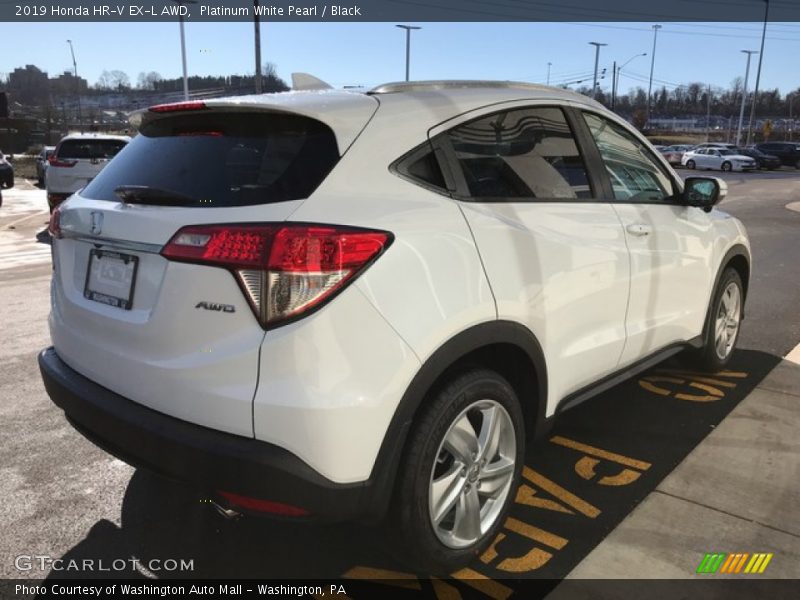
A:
(734, 563)
(30, 562)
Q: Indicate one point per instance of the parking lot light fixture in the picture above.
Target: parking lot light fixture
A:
(77, 85)
(615, 78)
(408, 29)
(183, 48)
(744, 95)
(652, 67)
(596, 63)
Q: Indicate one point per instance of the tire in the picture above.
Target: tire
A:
(690, 164)
(714, 355)
(726, 166)
(442, 448)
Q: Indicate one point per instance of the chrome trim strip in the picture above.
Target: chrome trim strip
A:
(120, 244)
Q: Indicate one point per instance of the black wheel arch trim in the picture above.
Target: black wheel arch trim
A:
(737, 250)
(479, 336)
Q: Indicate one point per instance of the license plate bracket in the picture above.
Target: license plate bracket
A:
(111, 278)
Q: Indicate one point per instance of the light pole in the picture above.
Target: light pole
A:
(758, 75)
(790, 97)
(180, 3)
(596, 64)
(652, 67)
(77, 85)
(408, 29)
(744, 95)
(548, 72)
(257, 34)
(615, 74)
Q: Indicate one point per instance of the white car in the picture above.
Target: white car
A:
(338, 305)
(77, 160)
(721, 159)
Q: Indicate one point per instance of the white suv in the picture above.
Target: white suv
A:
(342, 305)
(77, 160)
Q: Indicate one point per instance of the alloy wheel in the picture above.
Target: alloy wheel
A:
(726, 325)
(472, 475)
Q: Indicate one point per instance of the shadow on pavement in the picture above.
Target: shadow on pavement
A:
(600, 460)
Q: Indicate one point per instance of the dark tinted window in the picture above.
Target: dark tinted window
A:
(224, 159)
(90, 148)
(426, 169)
(527, 153)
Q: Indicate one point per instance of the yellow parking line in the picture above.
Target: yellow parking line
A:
(483, 584)
(404, 580)
(618, 458)
(556, 490)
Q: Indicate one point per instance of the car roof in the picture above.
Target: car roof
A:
(420, 104)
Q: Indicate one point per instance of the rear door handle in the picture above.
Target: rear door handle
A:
(639, 229)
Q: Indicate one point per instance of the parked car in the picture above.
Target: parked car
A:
(310, 305)
(76, 161)
(788, 152)
(674, 154)
(764, 161)
(717, 158)
(42, 161)
(6, 172)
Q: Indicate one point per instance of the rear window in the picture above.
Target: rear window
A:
(90, 148)
(224, 159)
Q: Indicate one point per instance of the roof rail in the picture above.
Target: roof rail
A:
(427, 86)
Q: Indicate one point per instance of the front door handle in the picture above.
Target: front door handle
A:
(639, 229)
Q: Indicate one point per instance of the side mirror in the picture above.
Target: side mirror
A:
(704, 192)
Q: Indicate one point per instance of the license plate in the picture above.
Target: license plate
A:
(111, 278)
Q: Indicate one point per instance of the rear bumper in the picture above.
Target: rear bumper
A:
(209, 459)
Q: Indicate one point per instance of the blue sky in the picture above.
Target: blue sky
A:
(372, 53)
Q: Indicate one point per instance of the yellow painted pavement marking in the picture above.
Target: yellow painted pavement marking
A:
(559, 492)
(404, 580)
(618, 458)
(490, 587)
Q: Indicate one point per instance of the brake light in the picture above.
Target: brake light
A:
(54, 227)
(285, 271)
(178, 106)
(54, 161)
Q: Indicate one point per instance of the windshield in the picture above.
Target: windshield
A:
(224, 159)
(90, 148)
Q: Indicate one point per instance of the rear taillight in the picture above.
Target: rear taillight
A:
(54, 228)
(56, 162)
(286, 271)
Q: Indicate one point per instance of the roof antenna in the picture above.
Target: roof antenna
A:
(306, 81)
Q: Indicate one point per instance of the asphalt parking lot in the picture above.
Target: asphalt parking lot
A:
(582, 484)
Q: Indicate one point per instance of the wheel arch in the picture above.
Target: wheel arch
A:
(737, 257)
(503, 346)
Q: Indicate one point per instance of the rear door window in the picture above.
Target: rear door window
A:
(526, 153)
(219, 159)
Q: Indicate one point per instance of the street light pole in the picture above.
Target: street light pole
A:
(596, 64)
(652, 67)
(790, 97)
(180, 3)
(758, 75)
(257, 34)
(77, 85)
(408, 29)
(744, 95)
(615, 74)
(548, 72)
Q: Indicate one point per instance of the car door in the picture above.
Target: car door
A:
(555, 256)
(670, 244)
(714, 159)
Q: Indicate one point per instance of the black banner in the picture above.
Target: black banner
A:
(399, 10)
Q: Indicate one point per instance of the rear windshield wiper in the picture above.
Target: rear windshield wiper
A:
(143, 194)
